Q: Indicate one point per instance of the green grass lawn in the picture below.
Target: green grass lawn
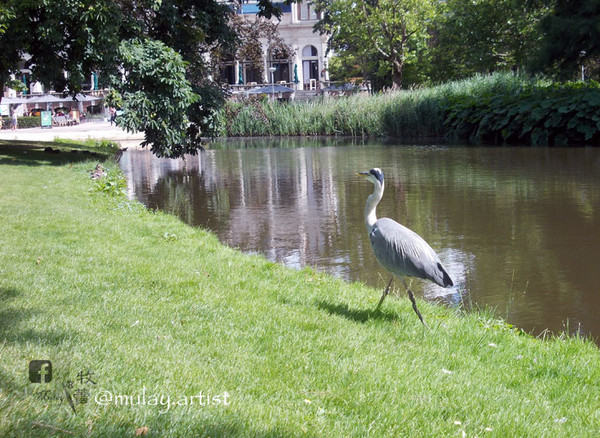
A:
(127, 302)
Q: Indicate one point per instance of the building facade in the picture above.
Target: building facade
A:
(305, 69)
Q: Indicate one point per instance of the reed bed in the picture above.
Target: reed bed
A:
(416, 113)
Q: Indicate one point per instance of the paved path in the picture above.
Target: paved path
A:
(83, 131)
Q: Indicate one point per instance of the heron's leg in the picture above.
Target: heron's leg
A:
(385, 292)
(414, 303)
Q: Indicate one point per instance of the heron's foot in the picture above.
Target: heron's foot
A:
(414, 306)
(386, 291)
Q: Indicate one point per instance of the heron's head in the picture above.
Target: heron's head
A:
(374, 175)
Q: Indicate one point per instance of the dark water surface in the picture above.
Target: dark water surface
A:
(517, 228)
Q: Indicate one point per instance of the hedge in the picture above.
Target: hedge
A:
(547, 114)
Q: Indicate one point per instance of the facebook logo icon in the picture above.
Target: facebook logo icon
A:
(40, 371)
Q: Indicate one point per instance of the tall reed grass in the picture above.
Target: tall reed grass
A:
(411, 114)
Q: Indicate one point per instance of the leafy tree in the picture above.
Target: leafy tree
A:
(113, 99)
(11, 43)
(174, 103)
(386, 35)
(195, 29)
(485, 36)
(5, 15)
(17, 85)
(156, 95)
(251, 33)
(344, 69)
(571, 38)
(369, 68)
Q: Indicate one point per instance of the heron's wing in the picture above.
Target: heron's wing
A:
(403, 252)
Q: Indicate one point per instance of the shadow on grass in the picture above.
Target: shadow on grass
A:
(15, 332)
(11, 324)
(225, 425)
(231, 422)
(28, 153)
(357, 315)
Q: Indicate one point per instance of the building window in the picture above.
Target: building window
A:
(310, 51)
(310, 67)
(228, 74)
(306, 11)
(279, 60)
(282, 72)
(252, 74)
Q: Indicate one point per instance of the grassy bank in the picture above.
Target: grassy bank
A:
(124, 301)
(494, 109)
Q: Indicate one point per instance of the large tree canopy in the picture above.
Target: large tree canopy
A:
(170, 96)
(482, 36)
(369, 31)
(416, 42)
(571, 37)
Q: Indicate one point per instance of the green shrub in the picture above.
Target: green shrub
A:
(112, 183)
(30, 122)
(538, 114)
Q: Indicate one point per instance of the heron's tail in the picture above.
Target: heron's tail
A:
(446, 280)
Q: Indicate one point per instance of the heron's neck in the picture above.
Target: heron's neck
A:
(372, 201)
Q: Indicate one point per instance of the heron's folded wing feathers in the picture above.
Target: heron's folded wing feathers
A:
(403, 252)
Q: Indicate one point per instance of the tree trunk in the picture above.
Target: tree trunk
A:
(397, 68)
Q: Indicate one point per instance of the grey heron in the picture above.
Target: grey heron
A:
(398, 249)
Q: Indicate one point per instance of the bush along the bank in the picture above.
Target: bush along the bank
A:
(23, 122)
(552, 114)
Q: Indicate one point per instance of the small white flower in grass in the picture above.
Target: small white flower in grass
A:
(491, 344)
(445, 371)
(488, 429)
(307, 401)
(458, 423)
(561, 420)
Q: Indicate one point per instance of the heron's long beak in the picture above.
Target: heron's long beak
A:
(363, 173)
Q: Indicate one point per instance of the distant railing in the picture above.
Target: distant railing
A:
(250, 85)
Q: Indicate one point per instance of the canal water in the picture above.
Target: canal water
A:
(518, 229)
